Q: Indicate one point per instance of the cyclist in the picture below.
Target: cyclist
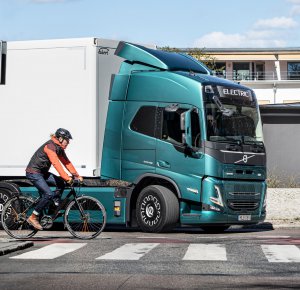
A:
(50, 153)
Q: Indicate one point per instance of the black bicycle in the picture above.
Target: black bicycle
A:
(83, 216)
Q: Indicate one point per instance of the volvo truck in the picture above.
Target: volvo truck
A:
(159, 140)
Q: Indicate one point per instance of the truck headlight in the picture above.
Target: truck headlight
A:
(217, 200)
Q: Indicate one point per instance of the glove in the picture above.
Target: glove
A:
(80, 178)
(70, 181)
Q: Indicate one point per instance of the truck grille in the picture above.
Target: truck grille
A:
(243, 205)
(244, 188)
(245, 193)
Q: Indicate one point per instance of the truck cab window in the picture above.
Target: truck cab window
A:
(171, 131)
(144, 121)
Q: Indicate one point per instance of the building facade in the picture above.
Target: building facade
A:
(274, 74)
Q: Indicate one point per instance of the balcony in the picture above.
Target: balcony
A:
(259, 76)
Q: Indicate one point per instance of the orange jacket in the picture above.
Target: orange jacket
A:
(51, 153)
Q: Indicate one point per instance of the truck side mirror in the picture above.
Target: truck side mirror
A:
(186, 126)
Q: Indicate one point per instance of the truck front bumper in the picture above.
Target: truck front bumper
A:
(228, 202)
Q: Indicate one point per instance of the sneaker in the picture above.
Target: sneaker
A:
(34, 221)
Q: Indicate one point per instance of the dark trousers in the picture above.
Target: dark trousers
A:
(43, 182)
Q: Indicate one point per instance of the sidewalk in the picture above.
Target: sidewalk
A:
(8, 245)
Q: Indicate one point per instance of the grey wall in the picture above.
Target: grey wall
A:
(282, 143)
(281, 127)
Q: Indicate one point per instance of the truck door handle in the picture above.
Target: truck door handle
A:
(164, 164)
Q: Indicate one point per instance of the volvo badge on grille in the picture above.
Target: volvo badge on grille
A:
(244, 159)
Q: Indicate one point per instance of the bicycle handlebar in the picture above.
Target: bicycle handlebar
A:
(76, 183)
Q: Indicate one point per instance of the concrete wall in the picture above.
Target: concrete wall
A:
(283, 204)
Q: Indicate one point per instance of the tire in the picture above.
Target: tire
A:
(14, 217)
(157, 209)
(93, 222)
(4, 197)
(214, 229)
(7, 191)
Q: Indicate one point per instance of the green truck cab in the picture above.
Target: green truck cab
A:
(190, 144)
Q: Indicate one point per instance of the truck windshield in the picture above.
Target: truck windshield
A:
(243, 125)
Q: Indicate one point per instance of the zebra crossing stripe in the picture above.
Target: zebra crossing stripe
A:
(129, 252)
(281, 253)
(205, 252)
(51, 251)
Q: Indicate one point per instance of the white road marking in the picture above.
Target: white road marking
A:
(205, 252)
(281, 253)
(129, 252)
(51, 251)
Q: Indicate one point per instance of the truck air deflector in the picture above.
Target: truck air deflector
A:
(160, 59)
(136, 53)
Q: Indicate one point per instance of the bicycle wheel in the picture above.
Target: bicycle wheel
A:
(85, 217)
(14, 217)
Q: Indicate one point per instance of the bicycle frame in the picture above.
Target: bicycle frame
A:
(65, 202)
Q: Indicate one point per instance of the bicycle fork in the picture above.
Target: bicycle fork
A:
(84, 217)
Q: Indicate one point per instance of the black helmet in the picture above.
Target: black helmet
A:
(63, 133)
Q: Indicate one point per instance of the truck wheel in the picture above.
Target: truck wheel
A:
(7, 191)
(157, 209)
(5, 195)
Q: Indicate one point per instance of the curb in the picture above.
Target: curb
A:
(12, 246)
(274, 225)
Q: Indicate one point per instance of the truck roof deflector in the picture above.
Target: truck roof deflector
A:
(137, 53)
(158, 58)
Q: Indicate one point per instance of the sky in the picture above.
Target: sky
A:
(174, 23)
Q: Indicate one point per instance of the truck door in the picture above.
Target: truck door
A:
(173, 159)
(139, 143)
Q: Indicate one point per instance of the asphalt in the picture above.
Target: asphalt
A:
(9, 245)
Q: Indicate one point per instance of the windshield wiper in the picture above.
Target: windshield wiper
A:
(225, 112)
(252, 142)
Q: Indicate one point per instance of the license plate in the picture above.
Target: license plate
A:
(244, 217)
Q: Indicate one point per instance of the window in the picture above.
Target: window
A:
(144, 121)
(171, 129)
(293, 70)
(241, 71)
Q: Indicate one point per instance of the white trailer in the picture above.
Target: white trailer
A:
(51, 84)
